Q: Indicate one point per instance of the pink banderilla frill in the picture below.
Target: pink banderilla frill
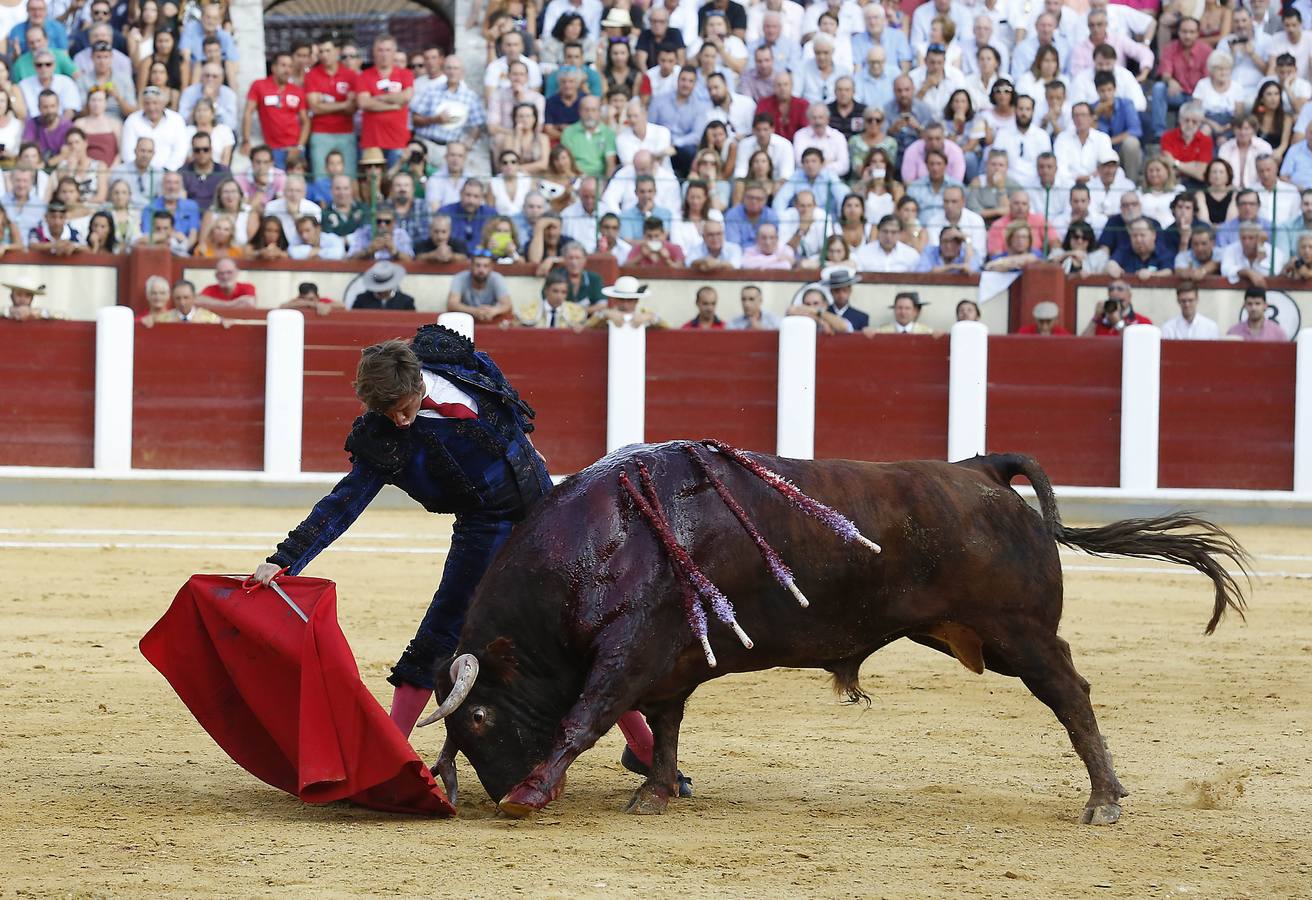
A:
(693, 583)
(684, 565)
(836, 521)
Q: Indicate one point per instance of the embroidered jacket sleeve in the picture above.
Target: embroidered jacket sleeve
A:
(329, 519)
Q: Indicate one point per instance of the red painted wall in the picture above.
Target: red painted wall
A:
(48, 403)
(1227, 415)
(198, 401)
(560, 374)
(720, 384)
(883, 398)
(1058, 400)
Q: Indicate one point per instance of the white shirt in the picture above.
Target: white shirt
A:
(1157, 206)
(1233, 259)
(730, 253)
(657, 140)
(937, 97)
(1302, 51)
(170, 137)
(576, 223)
(871, 257)
(813, 238)
(1200, 329)
(1076, 160)
(331, 247)
(780, 152)
(832, 144)
(1220, 102)
(507, 204)
(971, 224)
(619, 193)
(1246, 72)
(288, 218)
(70, 97)
(849, 18)
(739, 115)
(442, 391)
(791, 13)
(1127, 88)
(1106, 198)
(590, 10)
(662, 83)
(1023, 152)
(497, 73)
(1286, 198)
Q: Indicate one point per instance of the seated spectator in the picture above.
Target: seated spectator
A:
(814, 304)
(1189, 325)
(838, 282)
(63, 87)
(680, 112)
(1201, 258)
(1143, 254)
(49, 129)
(820, 136)
(101, 22)
(202, 175)
(501, 239)
(90, 175)
(269, 241)
(609, 240)
(1183, 64)
(1117, 313)
(654, 249)
(1108, 188)
(210, 87)
(988, 195)
(592, 142)
(714, 252)
(479, 291)
(553, 309)
(1277, 198)
(1042, 234)
(470, 214)
(219, 239)
(1117, 118)
(802, 227)
(1252, 257)
(934, 138)
(53, 234)
(622, 309)
(951, 254)
(186, 214)
(291, 206)
(344, 215)
(382, 288)
(163, 126)
(1080, 254)
(887, 253)
(1257, 326)
(1045, 320)
(1299, 266)
(928, 190)
(753, 317)
(706, 301)
(22, 296)
(307, 299)
(1017, 250)
(383, 239)
(264, 179)
(227, 292)
(742, 221)
(185, 306)
(562, 108)
(786, 111)
(954, 212)
(1242, 151)
(1248, 209)
(967, 311)
(1187, 149)
(825, 187)
(1297, 164)
(906, 316)
(768, 252)
(778, 149)
(440, 247)
(100, 233)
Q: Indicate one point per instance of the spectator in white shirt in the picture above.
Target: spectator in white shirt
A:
(1250, 50)
(1189, 325)
(1080, 151)
(886, 253)
(817, 76)
(1294, 41)
(1250, 257)
(934, 81)
(1024, 143)
(165, 127)
(1222, 98)
(664, 76)
(713, 251)
(640, 134)
(777, 147)
(292, 206)
(497, 74)
(829, 141)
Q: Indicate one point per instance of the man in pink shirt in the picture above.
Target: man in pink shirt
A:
(1183, 65)
(932, 138)
(1125, 47)
(767, 252)
(1018, 210)
(1257, 327)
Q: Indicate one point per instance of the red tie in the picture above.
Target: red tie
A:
(450, 410)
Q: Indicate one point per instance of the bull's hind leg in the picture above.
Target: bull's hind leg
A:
(663, 781)
(1043, 662)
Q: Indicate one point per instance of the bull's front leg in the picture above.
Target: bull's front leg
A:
(610, 690)
(663, 781)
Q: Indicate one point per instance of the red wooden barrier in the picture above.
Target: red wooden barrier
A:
(1058, 400)
(1227, 415)
(198, 401)
(883, 398)
(721, 384)
(562, 375)
(48, 405)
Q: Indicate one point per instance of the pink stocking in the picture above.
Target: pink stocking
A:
(408, 702)
(638, 735)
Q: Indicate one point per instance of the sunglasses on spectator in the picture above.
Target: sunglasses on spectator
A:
(485, 254)
(45, 65)
(204, 149)
(382, 221)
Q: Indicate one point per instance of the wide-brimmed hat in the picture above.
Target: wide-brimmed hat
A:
(1046, 310)
(913, 296)
(372, 156)
(839, 276)
(617, 18)
(626, 287)
(383, 276)
(22, 284)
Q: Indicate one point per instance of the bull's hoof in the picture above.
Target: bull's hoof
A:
(526, 799)
(1104, 814)
(647, 801)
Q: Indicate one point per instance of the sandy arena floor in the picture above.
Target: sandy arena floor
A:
(951, 785)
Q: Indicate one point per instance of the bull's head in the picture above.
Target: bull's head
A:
(500, 717)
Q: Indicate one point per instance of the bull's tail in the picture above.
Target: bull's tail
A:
(1181, 537)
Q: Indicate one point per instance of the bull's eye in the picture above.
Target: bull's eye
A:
(478, 715)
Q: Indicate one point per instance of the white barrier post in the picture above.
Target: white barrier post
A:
(1303, 415)
(458, 321)
(795, 413)
(626, 386)
(968, 388)
(114, 352)
(1141, 388)
(284, 389)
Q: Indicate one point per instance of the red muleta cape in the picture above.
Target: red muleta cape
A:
(282, 695)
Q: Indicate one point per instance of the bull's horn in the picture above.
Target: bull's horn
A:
(463, 672)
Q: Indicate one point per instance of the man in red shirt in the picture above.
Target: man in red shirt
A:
(1117, 313)
(228, 293)
(384, 92)
(1182, 66)
(1045, 320)
(787, 111)
(1186, 148)
(284, 115)
(330, 92)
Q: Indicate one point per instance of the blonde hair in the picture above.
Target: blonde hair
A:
(388, 372)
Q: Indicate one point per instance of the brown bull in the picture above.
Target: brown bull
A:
(586, 612)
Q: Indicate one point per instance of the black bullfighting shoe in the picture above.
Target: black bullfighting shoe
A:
(630, 761)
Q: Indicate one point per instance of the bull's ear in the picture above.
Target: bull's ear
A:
(500, 660)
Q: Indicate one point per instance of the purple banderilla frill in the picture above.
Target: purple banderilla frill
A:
(692, 581)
